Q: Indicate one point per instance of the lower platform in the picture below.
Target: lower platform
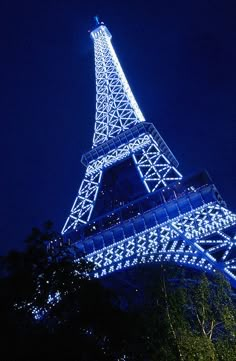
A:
(187, 224)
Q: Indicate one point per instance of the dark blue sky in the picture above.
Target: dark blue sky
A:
(179, 58)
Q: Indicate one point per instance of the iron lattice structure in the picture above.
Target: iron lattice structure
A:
(133, 206)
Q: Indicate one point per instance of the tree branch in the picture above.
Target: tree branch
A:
(170, 321)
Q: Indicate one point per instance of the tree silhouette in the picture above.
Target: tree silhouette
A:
(52, 308)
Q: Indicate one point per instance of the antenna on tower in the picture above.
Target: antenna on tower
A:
(97, 21)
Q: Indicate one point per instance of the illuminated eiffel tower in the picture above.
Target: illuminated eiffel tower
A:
(133, 206)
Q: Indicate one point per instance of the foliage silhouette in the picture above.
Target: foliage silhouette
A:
(51, 308)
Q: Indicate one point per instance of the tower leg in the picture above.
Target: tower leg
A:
(83, 206)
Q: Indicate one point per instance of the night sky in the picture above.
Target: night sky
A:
(180, 60)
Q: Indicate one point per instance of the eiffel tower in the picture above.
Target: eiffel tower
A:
(133, 205)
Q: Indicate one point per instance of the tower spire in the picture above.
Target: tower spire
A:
(116, 107)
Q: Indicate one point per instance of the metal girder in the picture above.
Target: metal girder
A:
(116, 107)
(84, 202)
(184, 240)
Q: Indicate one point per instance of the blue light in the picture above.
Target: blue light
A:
(187, 224)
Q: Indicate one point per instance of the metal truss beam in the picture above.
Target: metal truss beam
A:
(184, 240)
(116, 107)
(84, 202)
(154, 169)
